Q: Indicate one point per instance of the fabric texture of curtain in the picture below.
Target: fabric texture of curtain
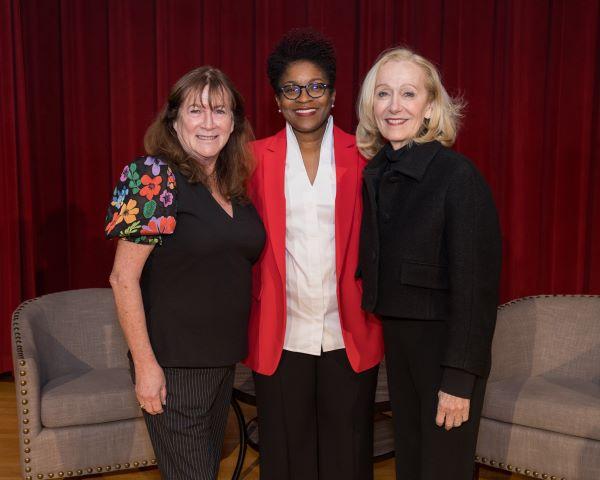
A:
(81, 81)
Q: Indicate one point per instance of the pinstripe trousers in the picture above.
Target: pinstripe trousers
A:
(188, 436)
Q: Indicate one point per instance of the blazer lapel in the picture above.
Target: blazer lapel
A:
(346, 169)
(274, 178)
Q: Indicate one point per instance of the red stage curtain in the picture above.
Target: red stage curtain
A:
(81, 81)
(17, 265)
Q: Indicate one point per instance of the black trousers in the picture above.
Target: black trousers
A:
(424, 451)
(315, 419)
(188, 436)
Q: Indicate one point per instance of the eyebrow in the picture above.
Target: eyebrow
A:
(403, 85)
(312, 80)
(207, 106)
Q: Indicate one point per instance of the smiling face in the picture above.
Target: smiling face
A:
(203, 130)
(305, 114)
(401, 101)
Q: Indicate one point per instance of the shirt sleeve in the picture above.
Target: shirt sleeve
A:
(144, 203)
(457, 382)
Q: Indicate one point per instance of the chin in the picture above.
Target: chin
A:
(205, 155)
(396, 137)
(307, 127)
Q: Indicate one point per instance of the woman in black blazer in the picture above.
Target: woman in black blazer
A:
(430, 259)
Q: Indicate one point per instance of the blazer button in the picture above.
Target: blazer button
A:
(374, 255)
(386, 217)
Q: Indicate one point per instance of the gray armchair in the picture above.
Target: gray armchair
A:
(541, 416)
(77, 410)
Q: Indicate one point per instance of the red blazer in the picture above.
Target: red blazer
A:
(266, 331)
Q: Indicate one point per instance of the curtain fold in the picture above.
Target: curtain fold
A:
(17, 268)
(81, 81)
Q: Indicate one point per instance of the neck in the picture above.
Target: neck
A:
(211, 182)
(207, 165)
(310, 140)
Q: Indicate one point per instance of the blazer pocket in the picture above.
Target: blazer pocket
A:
(424, 275)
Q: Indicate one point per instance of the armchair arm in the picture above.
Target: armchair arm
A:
(514, 340)
(28, 378)
(28, 389)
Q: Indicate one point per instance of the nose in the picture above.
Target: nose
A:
(396, 103)
(207, 119)
(304, 96)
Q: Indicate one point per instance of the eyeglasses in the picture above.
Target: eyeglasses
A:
(314, 90)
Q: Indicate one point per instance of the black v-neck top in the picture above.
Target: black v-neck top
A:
(196, 285)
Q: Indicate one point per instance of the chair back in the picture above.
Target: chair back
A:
(72, 331)
(552, 335)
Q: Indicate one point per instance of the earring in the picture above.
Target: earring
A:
(332, 105)
(279, 110)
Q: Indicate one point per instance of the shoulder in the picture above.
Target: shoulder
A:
(261, 142)
(267, 143)
(150, 171)
(148, 165)
(462, 177)
(455, 166)
(340, 135)
(263, 147)
(144, 201)
(343, 139)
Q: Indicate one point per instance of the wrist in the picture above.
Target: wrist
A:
(144, 363)
(457, 382)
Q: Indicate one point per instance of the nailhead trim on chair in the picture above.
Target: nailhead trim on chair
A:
(23, 384)
(24, 402)
(530, 297)
(520, 470)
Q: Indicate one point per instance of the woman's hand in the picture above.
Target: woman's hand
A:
(150, 387)
(452, 411)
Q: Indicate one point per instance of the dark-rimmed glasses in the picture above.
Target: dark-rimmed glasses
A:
(313, 89)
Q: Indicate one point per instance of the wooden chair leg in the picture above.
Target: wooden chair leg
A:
(476, 471)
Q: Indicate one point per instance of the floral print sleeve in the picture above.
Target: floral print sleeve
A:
(144, 203)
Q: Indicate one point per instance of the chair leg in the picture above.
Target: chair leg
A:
(476, 471)
(243, 438)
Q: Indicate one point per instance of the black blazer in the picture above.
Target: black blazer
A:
(431, 247)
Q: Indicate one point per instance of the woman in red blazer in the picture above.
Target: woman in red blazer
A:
(314, 352)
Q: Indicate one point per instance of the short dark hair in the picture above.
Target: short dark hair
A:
(301, 44)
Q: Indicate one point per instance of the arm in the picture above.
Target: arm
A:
(473, 244)
(150, 387)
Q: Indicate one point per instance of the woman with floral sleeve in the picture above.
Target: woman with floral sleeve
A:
(182, 271)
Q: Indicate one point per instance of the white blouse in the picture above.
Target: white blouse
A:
(313, 320)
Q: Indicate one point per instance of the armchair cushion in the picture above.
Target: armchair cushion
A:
(95, 396)
(557, 404)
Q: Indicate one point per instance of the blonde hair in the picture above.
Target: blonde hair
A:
(445, 111)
